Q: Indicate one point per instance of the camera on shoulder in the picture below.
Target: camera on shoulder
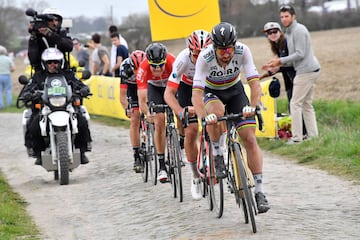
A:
(39, 20)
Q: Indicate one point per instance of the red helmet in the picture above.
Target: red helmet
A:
(136, 57)
(198, 40)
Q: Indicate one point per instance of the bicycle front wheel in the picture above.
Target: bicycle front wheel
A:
(203, 164)
(175, 165)
(143, 155)
(216, 187)
(152, 159)
(244, 187)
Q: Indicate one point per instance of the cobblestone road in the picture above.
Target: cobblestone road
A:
(106, 200)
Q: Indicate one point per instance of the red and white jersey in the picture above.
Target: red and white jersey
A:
(183, 70)
(145, 76)
(208, 73)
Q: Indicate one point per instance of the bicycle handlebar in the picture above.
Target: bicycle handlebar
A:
(236, 116)
(159, 107)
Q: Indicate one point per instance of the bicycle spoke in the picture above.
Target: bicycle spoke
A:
(245, 187)
(216, 188)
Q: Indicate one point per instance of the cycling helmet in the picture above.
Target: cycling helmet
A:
(156, 52)
(223, 35)
(126, 70)
(53, 12)
(52, 54)
(136, 57)
(198, 40)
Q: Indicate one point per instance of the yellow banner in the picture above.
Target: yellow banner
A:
(267, 106)
(178, 18)
(105, 100)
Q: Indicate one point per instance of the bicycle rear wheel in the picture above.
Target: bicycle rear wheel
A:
(151, 154)
(175, 165)
(245, 191)
(216, 187)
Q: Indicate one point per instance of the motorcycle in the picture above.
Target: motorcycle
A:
(58, 123)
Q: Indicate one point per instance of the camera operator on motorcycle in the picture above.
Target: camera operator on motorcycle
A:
(48, 27)
(52, 62)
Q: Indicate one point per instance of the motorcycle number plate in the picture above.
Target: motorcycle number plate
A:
(56, 90)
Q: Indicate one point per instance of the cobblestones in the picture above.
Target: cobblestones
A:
(107, 200)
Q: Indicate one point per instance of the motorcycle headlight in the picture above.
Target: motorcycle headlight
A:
(57, 101)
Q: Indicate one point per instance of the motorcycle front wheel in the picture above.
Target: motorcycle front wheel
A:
(63, 157)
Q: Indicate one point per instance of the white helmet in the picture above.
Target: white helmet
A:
(53, 11)
(52, 54)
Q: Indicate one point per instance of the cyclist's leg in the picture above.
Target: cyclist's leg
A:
(214, 105)
(255, 162)
(134, 125)
(156, 95)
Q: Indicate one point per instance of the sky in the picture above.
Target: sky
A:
(98, 8)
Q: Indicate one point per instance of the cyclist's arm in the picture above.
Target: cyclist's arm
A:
(171, 100)
(142, 95)
(197, 101)
(199, 86)
(123, 100)
(252, 77)
(173, 85)
(255, 93)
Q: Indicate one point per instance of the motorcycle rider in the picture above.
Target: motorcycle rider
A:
(52, 62)
(55, 37)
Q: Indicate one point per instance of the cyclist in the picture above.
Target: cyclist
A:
(180, 83)
(217, 88)
(128, 90)
(151, 80)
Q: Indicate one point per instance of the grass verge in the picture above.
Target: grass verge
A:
(336, 150)
(15, 223)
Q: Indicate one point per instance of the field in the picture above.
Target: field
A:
(337, 50)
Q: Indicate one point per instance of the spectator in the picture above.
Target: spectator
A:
(100, 57)
(81, 53)
(307, 68)
(6, 67)
(121, 54)
(279, 48)
(114, 29)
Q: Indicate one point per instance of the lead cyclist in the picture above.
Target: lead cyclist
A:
(216, 85)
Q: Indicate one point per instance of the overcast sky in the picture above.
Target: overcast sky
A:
(97, 8)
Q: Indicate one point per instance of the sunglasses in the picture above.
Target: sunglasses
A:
(52, 61)
(222, 51)
(287, 8)
(155, 65)
(272, 31)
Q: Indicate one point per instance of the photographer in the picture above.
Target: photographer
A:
(48, 26)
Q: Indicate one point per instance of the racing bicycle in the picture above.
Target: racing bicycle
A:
(239, 177)
(173, 156)
(148, 155)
